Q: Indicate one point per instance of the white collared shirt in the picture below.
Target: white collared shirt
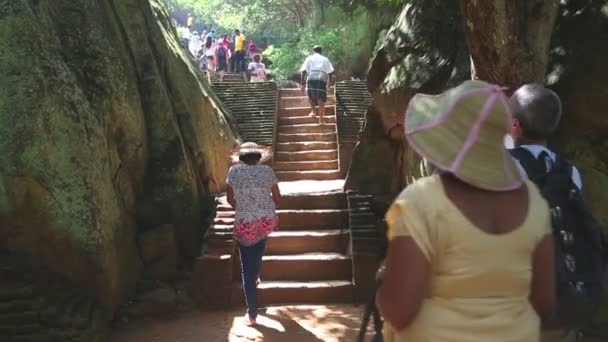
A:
(317, 67)
(536, 150)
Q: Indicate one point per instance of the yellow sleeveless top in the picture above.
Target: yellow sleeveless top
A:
(480, 282)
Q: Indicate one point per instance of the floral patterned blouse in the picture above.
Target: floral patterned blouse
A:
(255, 212)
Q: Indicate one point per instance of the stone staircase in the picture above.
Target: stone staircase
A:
(305, 150)
(231, 77)
(310, 258)
(253, 106)
(306, 261)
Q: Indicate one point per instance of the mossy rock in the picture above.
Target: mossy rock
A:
(90, 135)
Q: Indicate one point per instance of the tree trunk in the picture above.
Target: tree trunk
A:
(509, 39)
(318, 14)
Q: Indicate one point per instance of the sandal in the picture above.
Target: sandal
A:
(248, 321)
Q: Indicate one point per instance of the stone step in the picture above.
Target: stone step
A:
(302, 101)
(306, 119)
(224, 213)
(334, 200)
(301, 111)
(306, 155)
(370, 246)
(295, 219)
(298, 146)
(308, 175)
(308, 128)
(289, 92)
(295, 292)
(307, 241)
(298, 137)
(219, 244)
(233, 78)
(222, 225)
(298, 201)
(306, 165)
(306, 267)
(316, 219)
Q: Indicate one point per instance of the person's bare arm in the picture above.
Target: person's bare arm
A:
(276, 194)
(542, 293)
(405, 282)
(230, 197)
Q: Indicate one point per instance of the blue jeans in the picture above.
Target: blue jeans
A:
(251, 262)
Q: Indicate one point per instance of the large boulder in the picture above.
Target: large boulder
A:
(416, 55)
(106, 129)
(578, 73)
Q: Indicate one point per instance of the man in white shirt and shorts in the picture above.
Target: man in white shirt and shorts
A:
(317, 73)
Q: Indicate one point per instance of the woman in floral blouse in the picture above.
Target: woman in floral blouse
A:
(253, 192)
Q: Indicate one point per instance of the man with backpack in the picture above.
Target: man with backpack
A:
(580, 259)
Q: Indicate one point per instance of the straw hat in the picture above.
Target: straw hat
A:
(251, 147)
(461, 131)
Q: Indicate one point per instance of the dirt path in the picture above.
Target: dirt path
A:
(278, 324)
(334, 323)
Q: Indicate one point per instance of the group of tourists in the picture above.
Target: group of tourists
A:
(222, 54)
(486, 248)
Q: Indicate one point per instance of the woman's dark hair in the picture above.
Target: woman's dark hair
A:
(208, 43)
(257, 58)
(250, 158)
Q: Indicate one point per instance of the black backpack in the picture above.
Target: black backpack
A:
(221, 52)
(580, 258)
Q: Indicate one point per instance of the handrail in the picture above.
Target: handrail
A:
(337, 131)
(276, 122)
(350, 250)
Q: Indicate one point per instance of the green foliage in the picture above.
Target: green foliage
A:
(288, 58)
(395, 3)
(347, 39)
(347, 29)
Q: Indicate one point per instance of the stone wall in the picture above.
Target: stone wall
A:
(106, 131)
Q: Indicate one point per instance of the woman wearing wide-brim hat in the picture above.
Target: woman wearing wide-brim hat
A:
(470, 256)
(253, 192)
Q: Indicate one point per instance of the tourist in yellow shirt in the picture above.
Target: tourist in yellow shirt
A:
(470, 257)
(237, 63)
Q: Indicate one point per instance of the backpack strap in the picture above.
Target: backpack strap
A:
(535, 168)
(563, 164)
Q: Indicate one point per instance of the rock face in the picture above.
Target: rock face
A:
(159, 253)
(106, 130)
(416, 55)
(577, 71)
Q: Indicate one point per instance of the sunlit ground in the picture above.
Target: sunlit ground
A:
(311, 186)
(279, 324)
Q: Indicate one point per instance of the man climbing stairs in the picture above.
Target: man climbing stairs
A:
(305, 149)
